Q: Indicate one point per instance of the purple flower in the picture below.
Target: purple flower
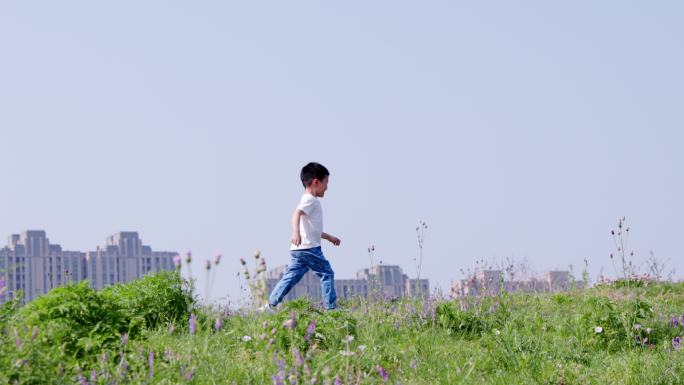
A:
(218, 324)
(35, 333)
(278, 380)
(338, 381)
(677, 342)
(124, 339)
(298, 359)
(674, 321)
(93, 376)
(193, 323)
(124, 366)
(292, 322)
(382, 372)
(82, 380)
(190, 374)
(310, 330)
(150, 361)
(177, 261)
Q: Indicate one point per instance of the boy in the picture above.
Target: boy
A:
(307, 232)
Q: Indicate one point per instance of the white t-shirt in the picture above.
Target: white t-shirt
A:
(311, 224)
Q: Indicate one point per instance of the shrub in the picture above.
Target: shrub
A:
(151, 301)
(76, 318)
(462, 322)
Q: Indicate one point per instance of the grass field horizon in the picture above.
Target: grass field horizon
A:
(155, 330)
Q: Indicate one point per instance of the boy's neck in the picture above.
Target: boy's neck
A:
(309, 190)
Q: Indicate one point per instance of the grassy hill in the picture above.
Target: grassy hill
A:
(153, 331)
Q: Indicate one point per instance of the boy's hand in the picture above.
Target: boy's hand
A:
(334, 240)
(296, 239)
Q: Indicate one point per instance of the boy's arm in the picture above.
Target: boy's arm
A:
(333, 239)
(296, 218)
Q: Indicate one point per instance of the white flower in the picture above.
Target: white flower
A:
(497, 332)
(348, 339)
(637, 326)
(346, 353)
(362, 347)
(648, 330)
(598, 329)
(246, 338)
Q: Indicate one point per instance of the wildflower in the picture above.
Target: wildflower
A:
(207, 266)
(217, 259)
(218, 324)
(271, 341)
(637, 327)
(124, 339)
(310, 330)
(298, 359)
(82, 380)
(193, 323)
(34, 334)
(292, 322)
(674, 321)
(648, 330)
(362, 348)
(124, 366)
(382, 372)
(177, 261)
(188, 257)
(93, 376)
(264, 325)
(150, 361)
(677, 343)
(348, 339)
(246, 338)
(497, 332)
(346, 353)
(278, 380)
(263, 336)
(257, 254)
(338, 381)
(190, 374)
(598, 330)
(274, 330)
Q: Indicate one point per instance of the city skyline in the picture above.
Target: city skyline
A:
(31, 264)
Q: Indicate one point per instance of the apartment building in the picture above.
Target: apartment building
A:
(389, 280)
(491, 282)
(32, 264)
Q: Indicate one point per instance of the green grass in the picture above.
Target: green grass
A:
(509, 339)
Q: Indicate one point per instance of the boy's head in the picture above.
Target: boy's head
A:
(314, 177)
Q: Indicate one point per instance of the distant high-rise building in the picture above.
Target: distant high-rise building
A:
(491, 282)
(387, 280)
(31, 264)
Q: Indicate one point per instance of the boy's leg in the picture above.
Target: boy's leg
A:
(294, 272)
(316, 261)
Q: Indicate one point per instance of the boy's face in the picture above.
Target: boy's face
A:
(318, 187)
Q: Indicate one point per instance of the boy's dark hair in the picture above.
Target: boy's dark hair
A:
(313, 171)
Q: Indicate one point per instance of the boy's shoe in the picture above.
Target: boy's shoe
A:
(267, 308)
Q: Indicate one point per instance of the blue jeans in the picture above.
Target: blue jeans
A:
(300, 263)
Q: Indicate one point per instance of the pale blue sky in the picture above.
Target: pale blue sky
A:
(518, 129)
